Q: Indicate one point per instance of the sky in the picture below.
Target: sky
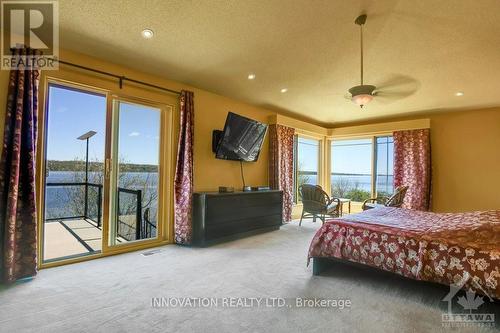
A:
(72, 113)
(355, 156)
(308, 153)
(348, 156)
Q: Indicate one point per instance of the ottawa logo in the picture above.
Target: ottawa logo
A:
(467, 310)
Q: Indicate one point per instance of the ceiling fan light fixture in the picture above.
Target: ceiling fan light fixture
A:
(362, 99)
(362, 95)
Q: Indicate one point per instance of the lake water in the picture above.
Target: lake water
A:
(67, 201)
(362, 182)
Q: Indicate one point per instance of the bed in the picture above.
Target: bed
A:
(447, 248)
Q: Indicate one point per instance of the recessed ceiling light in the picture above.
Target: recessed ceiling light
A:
(459, 93)
(147, 33)
(251, 76)
(283, 90)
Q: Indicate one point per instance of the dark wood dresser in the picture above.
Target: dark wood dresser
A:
(220, 217)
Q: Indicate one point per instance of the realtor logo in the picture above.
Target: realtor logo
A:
(467, 311)
(30, 24)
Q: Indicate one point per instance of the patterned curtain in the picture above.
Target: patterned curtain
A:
(18, 252)
(183, 183)
(412, 167)
(281, 165)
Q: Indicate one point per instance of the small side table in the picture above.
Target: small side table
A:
(342, 202)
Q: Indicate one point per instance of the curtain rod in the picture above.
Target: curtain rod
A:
(120, 78)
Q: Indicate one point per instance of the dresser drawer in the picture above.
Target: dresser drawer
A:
(219, 216)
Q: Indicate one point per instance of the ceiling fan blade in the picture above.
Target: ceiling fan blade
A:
(393, 94)
(398, 81)
(395, 88)
(388, 97)
(346, 96)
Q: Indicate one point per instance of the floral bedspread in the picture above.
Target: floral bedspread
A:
(447, 248)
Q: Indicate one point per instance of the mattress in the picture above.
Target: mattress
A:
(448, 248)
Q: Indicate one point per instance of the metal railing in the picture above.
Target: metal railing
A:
(139, 228)
(85, 214)
(142, 228)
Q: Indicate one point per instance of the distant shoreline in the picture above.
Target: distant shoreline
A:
(313, 173)
(54, 165)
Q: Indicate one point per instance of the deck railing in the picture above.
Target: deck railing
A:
(139, 227)
(85, 214)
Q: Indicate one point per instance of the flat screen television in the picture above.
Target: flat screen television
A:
(241, 139)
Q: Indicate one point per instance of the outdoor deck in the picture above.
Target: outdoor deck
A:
(67, 235)
(66, 238)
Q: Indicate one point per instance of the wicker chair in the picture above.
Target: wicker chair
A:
(317, 204)
(396, 200)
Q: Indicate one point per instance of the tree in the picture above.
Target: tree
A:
(340, 187)
(302, 179)
(131, 180)
(358, 195)
(343, 187)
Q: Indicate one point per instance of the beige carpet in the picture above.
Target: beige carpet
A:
(114, 294)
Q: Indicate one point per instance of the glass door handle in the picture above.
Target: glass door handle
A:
(107, 168)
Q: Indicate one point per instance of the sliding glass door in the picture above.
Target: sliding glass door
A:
(74, 158)
(105, 172)
(135, 173)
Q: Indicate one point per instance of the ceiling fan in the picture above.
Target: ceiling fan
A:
(364, 93)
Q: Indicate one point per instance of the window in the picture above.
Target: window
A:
(351, 165)
(351, 162)
(384, 182)
(306, 164)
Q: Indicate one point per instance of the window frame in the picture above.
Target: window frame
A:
(374, 153)
(375, 159)
(319, 175)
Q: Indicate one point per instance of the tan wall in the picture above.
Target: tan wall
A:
(465, 159)
(210, 113)
(465, 145)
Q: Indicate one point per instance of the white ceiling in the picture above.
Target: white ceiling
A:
(426, 49)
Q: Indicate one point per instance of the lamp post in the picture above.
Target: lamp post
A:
(86, 136)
